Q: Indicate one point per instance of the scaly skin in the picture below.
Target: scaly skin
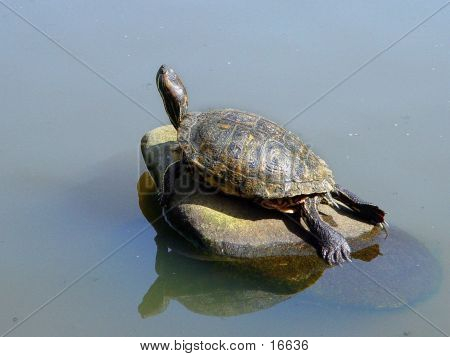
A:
(334, 247)
(364, 209)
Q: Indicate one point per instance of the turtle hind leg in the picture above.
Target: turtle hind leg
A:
(365, 210)
(333, 246)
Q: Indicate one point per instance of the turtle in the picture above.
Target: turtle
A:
(244, 154)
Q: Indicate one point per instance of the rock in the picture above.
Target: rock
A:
(229, 226)
(159, 150)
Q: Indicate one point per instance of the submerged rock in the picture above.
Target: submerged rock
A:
(230, 226)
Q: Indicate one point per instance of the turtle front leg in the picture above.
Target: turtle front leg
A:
(334, 248)
(365, 210)
(171, 173)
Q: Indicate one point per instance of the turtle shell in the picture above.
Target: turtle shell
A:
(247, 155)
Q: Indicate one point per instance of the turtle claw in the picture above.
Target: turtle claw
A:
(337, 253)
(384, 226)
(347, 256)
(329, 259)
(338, 258)
(331, 201)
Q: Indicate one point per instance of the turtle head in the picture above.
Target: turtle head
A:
(173, 94)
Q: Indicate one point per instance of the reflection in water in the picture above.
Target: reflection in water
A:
(220, 286)
(217, 288)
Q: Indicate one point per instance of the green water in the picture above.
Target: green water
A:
(78, 257)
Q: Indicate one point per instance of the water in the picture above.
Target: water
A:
(69, 147)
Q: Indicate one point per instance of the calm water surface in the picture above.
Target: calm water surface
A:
(69, 150)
